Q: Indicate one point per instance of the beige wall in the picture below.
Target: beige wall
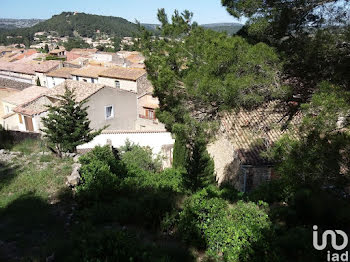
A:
(124, 107)
(5, 92)
(11, 122)
(124, 84)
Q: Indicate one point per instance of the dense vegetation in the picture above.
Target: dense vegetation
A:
(70, 24)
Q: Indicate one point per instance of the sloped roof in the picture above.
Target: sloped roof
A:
(7, 83)
(82, 91)
(25, 95)
(89, 71)
(35, 106)
(253, 132)
(123, 73)
(64, 72)
(29, 68)
(46, 66)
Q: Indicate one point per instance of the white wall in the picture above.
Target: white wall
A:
(155, 140)
(24, 78)
(124, 84)
(54, 81)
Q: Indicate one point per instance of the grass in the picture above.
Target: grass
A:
(32, 203)
(30, 146)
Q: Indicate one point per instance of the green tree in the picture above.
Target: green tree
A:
(67, 124)
(312, 36)
(38, 82)
(197, 73)
(46, 48)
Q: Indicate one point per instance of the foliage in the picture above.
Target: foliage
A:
(52, 57)
(75, 43)
(68, 23)
(227, 233)
(197, 73)
(180, 153)
(311, 36)
(319, 157)
(67, 125)
(6, 139)
(141, 157)
(121, 246)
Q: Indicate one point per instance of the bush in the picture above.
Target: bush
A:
(99, 171)
(107, 156)
(122, 246)
(141, 157)
(6, 139)
(227, 233)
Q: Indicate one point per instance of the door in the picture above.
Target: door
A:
(29, 123)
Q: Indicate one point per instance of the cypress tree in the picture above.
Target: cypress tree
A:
(67, 124)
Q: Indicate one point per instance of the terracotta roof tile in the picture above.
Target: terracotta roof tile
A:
(25, 95)
(64, 72)
(82, 90)
(7, 83)
(89, 71)
(123, 73)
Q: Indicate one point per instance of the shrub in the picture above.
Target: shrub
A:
(227, 233)
(106, 155)
(99, 172)
(142, 157)
(6, 139)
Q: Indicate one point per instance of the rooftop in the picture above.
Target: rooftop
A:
(123, 73)
(64, 72)
(25, 95)
(39, 104)
(7, 83)
(252, 132)
(89, 71)
(82, 90)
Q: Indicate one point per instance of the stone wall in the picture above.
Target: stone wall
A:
(19, 136)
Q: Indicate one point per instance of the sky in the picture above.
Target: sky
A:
(145, 11)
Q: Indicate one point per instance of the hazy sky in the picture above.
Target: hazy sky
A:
(205, 11)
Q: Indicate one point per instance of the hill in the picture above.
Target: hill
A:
(73, 24)
(6, 23)
(230, 28)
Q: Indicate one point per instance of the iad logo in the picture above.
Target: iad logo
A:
(333, 236)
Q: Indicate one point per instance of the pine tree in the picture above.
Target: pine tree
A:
(67, 124)
(38, 82)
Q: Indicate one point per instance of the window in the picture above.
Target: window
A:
(77, 78)
(117, 84)
(109, 112)
(150, 113)
(92, 80)
(85, 80)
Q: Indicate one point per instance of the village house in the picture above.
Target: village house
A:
(58, 52)
(108, 107)
(43, 68)
(8, 88)
(12, 120)
(27, 72)
(246, 136)
(104, 57)
(89, 74)
(130, 79)
(58, 76)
